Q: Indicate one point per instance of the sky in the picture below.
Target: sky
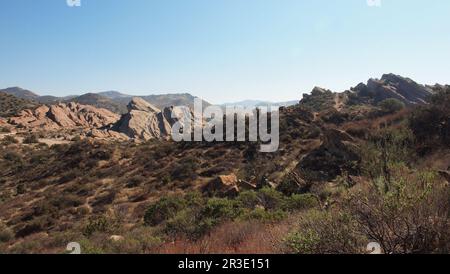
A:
(220, 50)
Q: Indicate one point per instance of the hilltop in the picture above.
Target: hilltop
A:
(20, 93)
(11, 105)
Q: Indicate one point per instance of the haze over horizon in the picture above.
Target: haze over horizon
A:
(222, 51)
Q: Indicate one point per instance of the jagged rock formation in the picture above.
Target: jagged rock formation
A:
(372, 93)
(393, 86)
(143, 121)
(64, 116)
(319, 99)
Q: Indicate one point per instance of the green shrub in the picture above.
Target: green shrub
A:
(270, 198)
(249, 199)
(222, 208)
(188, 223)
(6, 234)
(185, 170)
(31, 139)
(290, 186)
(101, 224)
(301, 201)
(8, 140)
(164, 209)
(388, 148)
(13, 157)
(5, 130)
(431, 124)
(264, 215)
(391, 105)
(325, 233)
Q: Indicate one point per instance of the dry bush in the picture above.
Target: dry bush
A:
(407, 215)
(239, 237)
(411, 216)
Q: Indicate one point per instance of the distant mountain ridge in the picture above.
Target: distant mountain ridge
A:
(20, 93)
(100, 101)
(10, 105)
(111, 100)
(158, 100)
(260, 103)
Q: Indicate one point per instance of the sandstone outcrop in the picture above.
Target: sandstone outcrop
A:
(64, 116)
(145, 121)
(227, 186)
(394, 86)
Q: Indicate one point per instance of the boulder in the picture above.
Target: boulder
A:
(116, 238)
(223, 185)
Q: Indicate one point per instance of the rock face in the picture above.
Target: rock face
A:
(227, 186)
(319, 99)
(145, 121)
(64, 116)
(394, 86)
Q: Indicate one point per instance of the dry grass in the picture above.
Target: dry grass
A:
(246, 237)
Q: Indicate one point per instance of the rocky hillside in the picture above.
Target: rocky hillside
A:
(63, 116)
(390, 86)
(393, 86)
(11, 105)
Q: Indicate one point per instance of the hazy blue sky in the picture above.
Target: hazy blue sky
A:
(221, 50)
